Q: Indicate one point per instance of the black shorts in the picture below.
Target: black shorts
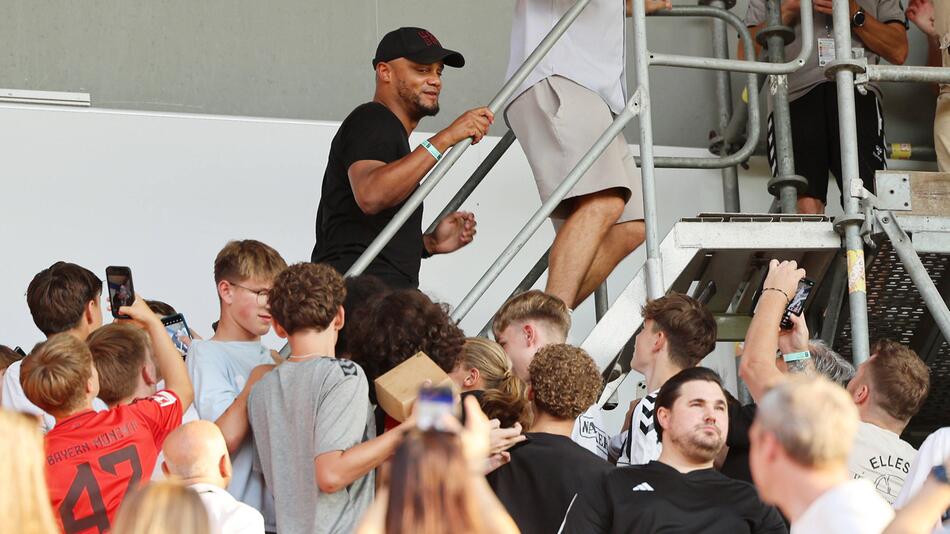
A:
(815, 140)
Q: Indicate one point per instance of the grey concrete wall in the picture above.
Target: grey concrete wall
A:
(310, 59)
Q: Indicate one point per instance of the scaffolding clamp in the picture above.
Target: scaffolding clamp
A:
(786, 33)
(778, 182)
(859, 66)
(727, 4)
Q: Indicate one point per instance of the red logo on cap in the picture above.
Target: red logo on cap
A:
(428, 38)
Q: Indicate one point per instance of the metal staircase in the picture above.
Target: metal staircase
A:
(722, 257)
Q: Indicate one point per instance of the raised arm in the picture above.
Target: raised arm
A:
(378, 186)
(167, 358)
(757, 367)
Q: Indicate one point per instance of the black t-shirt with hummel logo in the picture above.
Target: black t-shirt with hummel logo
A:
(656, 498)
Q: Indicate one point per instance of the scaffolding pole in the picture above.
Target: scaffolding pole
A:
(730, 175)
(784, 185)
(654, 270)
(843, 68)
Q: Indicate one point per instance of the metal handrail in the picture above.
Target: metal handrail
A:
(753, 122)
(632, 108)
(894, 73)
(735, 65)
(453, 155)
(476, 178)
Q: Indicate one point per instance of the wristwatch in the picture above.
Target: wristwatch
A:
(857, 21)
(940, 473)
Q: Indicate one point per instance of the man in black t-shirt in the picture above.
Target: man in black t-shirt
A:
(372, 170)
(548, 469)
(681, 492)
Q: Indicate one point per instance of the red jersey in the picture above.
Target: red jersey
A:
(93, 460)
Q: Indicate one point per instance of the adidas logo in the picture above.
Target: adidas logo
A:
(643, 487)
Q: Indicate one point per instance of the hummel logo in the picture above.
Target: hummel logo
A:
(643, 487)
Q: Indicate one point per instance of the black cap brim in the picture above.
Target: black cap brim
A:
(437, 53)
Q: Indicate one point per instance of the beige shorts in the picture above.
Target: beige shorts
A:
(556, 122)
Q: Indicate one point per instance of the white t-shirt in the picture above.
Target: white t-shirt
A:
(853, 507)
(589, 431)
(14, 399)
(639, 444)
(227, 514)
(882, 458)
(934, 451)
(219, 370)
(591, 53)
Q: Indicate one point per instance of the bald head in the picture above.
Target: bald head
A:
(196, 452)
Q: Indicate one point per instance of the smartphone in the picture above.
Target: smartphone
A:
(797, 305)
(121, 292)
(432, 404)
(178, 330)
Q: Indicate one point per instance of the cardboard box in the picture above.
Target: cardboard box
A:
(398, 389)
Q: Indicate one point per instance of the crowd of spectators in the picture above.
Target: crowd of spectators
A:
(112, 429)
(810, 452)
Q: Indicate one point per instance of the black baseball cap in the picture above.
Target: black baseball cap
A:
(415, 44)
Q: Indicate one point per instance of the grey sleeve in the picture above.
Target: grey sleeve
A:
(341, 415)
(891, 11)
(755, 15)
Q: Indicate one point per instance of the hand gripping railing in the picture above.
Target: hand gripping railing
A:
(453, 155)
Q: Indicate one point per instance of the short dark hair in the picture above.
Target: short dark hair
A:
(8, 357)
(360, 291)
(306, 296)
(689, 327)
(118, 351)
(671, 389)
(398, 324)
(58, 295)
(159, 308)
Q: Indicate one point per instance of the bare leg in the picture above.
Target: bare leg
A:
(578, 240)
(810, 205)
(621, 240)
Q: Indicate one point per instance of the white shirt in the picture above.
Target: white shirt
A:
(589, 431)
(592, 52)
(853, 507)
(882, 458)
(639, 444)
(15, 400)
(227, 514)
(934, 451)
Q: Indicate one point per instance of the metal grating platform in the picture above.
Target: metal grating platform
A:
(896, 311)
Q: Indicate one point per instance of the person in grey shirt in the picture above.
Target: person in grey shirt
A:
(311, 416)
(878, 31)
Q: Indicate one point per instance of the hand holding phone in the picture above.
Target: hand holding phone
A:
(797, 305)
(432, 405)
(121, 291)
(178, 330)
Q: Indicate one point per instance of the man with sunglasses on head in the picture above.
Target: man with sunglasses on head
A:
(372, 170)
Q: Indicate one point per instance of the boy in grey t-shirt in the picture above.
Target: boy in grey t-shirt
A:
(311, 416)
